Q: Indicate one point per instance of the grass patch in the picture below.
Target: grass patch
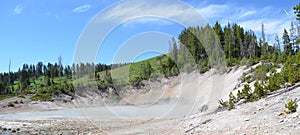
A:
(2, 97)
(41, 97)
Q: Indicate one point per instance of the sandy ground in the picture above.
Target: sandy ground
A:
(196, 106)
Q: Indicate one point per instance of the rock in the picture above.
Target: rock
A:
(260, 108)
(280, 121)
(247, 119)
(266, 131)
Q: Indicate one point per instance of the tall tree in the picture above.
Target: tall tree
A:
(218, 30)
(286, 43)
(228, 41)
(277, 45)
(174, 50)
(39, 69)
(60, 66)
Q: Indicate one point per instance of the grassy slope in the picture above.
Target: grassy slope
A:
(121, 73)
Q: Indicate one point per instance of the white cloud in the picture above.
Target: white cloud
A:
(82, 8)
(249, 17)
(142, 11)
(246, 14)
(18, 9)
(147, 20)
(275, 20)
(213, 10)
(272, 26)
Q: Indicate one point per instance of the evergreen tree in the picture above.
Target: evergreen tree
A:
(297, 11)
(286, 43)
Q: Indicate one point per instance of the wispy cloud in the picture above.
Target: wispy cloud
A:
(141, 11)
(274, 19)
(213, 10)
(82, 8)
(247, 13)
(18, 9)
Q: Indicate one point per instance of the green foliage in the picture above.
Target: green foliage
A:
(245, 78)
(292, 106)
(259, 91)
(239, 95)
(231, 101)
(223, 104)
(246, 93)
(286, 42)
(291, 69)
(297, 11)
(41, 97)
(2, 97)
(274, 82)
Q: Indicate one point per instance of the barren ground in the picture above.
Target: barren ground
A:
(262, 117)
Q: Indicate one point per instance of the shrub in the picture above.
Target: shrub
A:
(231, 101)
(231, 105)
(275, 81)
(10, 104)
(42, 97)
(259, 91)
(222, 104)
(261, 71)
(292, 106)
(21, 96)
(16, 102)
(239, 95)
(246, 93)
(291, 70)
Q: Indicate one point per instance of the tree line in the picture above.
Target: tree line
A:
(29, 74)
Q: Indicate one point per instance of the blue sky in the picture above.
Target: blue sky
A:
(33, 31)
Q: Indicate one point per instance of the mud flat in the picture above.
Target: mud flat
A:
(173, 117)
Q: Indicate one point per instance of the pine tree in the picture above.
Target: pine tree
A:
(218, 30)
(286, 43)
(297, 11)
(60, 66)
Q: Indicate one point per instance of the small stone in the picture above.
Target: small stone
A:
(247, 119)
(266, 131)
(260, 108)
(280, 121)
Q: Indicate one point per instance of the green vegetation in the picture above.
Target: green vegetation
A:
(290, 74)
(259, 91)
(197, 50)
(10, 104)
(231, 101)
(292, 106)
(6, 96)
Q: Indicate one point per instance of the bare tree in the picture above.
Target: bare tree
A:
(60, 66)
